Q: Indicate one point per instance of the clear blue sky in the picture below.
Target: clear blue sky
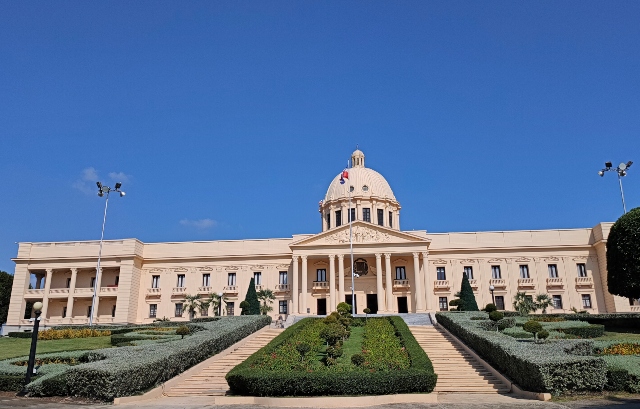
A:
(228, 120)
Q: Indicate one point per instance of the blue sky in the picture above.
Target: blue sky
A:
(228, 120)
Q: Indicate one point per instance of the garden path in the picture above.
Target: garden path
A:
(458, 371)
(211, 381)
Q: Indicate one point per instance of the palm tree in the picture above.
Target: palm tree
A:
(523, 303)
(193, 304)
(543, 301)
(203, 305)
(215, 300)
(267, 297)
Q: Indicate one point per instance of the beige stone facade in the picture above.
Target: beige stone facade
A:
(397, 271)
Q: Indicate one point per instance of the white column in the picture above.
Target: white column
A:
(303, 285)
(419, 296)
(45, 297)
(294, 286)
(340, 278)
(332, 284)
(387, 268)
(72, 289)
(379, 288)
(425, 275)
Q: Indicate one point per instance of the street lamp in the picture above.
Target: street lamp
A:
(220, 304)
(37, 308)
(493, 299)
(102, 190)
(621, 170)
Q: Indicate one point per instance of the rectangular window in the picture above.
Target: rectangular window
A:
(283, 277)
(401, 273)
(443, 303)
(180, 282)
(391, 220)
(69, 282)
(113, 311)
(440, 273)
(88, 311)
(524, 271)
(553, 270)
(380, 217)
(495, 272)
(93, 282)
(257, 278)
(231, 279)
(282, 307)
(557, 302)
(366, 214)
(117, 280)
(500, 302)
(328, 217)
(338, 218)
(582, 270)
(468, 270)
(64, 312)
(178, 309)
(204, 313)
(153, 310)
(586, 301)
(352, 215)
(231, 308)
(155, 281)
(321, 274)
(206, 280)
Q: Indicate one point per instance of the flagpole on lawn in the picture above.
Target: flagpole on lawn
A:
(353, 284)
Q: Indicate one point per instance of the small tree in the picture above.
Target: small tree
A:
(366, 311)
(623, 256)
(267, 297)
(6, 283)
(543, 301)
(467, 297)
(244, 308)
(344, 309)
(183, 330)
(496, 316)
(303, 349)
(533, 327)
(523, 303)
(192, 304)
(490, 308)
(252, 299)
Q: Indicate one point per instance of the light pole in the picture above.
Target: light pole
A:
(621, 170)
(37, 308)
(102, 190)
(493, 299)
(220, 304)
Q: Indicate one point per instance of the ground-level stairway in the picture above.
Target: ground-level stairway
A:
(458, 371)
(210, 380)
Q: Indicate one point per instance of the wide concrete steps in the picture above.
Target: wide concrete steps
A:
(210, 381)
(458, 371)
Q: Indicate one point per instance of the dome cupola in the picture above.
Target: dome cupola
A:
(372, 199)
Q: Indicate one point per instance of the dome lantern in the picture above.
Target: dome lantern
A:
(357, 159)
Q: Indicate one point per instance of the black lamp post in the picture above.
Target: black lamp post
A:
(37, 307)
(220, 304)
(493, 299)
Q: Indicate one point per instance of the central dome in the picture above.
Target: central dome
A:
(365, 182)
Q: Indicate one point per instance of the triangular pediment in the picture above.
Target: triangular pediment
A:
(362, 233)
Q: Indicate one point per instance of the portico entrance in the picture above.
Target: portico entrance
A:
(372, 303)
(322, 306)
(402, 305)
(347, 299)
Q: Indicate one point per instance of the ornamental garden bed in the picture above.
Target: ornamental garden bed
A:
(113, 372)
(338, 355)
(581, 353)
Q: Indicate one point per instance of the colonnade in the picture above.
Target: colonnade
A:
(384, 286)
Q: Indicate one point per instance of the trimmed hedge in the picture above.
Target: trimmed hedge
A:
(555, 367)
(246, 379)
(623, 373)
(20, 334)
(614, 320)
(591, 331)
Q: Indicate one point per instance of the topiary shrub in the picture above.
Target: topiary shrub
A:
(533, 327)
(303, 349)
(623, 256)
(334, 352)
(357, 359)
(496, 316)
(467, 297)
(183, 330)
(506, 323)
(544, 334)
(490, 308)
(591, 331)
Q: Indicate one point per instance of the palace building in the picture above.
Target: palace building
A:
(395, 271)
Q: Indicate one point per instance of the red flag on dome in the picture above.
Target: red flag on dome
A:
(345, 175)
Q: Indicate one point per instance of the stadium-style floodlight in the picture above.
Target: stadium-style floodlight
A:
(621, 170)
(102, 190)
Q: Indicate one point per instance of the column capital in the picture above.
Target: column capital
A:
(341, 257)
(425, 254)
(387, 255)
(49, 271)
(74, 270)
(303, 257)
(332, 257)
(294, 258)
(378, 256)
(416, 254)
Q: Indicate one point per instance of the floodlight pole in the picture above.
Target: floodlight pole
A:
(621, 170)
(624, 206)
(101, 192)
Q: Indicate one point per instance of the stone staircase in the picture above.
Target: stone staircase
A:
(458, 371)
(210, 380)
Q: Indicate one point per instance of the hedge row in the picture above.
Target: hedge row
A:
(614, 320)
(555, 367)
(590, 331)
(246, 379)
(129, 370)
(20, 334)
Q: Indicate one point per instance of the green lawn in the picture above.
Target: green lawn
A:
(351, 346)
(15, 347)
(620, 334)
